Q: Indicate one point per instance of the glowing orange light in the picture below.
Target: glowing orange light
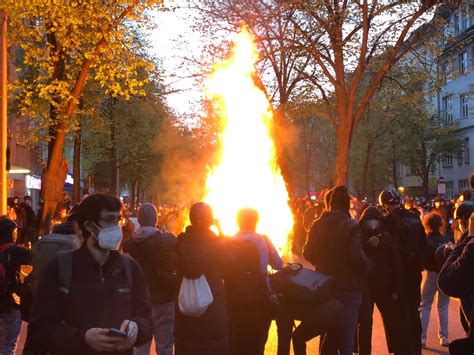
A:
(248, 174)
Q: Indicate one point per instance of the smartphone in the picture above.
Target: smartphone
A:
(114, 332)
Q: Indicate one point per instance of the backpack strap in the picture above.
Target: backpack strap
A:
(127, 262)
(65, 270)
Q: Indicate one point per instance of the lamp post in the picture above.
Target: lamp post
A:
(3, 112)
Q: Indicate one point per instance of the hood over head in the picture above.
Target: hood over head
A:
(143, 233)
(371, 212)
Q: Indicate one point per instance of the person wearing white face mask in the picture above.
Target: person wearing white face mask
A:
(93, 299)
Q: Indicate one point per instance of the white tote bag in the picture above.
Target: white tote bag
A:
(194, 296)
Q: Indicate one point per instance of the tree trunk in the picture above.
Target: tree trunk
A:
(344, 137)
(113, 163)
(133, 195)
(365, 174)
(394, 173)
(52, 182)
(113, 149)
(53, 177)
(139, 191)
(76, 166)
(425, 172)
(425, 186)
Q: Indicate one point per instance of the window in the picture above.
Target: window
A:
(449, 189)
(448, 108)
(456, 24)
(462, 62)
(447, 161)
(466, 151)
(460, 157)
(465, 19)
(464, 99)
(463, 185)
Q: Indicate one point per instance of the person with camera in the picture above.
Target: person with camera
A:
(94, 299)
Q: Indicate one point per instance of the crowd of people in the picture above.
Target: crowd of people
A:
(100, 283)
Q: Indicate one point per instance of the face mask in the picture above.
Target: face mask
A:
(109, 238)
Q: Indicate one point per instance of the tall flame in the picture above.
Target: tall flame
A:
(248, 174)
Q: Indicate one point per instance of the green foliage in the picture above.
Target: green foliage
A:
(400, 126)
(56, 43)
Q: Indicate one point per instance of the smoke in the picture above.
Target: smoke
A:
(186, 150)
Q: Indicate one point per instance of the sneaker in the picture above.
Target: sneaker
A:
(444, 342)
(423, 342)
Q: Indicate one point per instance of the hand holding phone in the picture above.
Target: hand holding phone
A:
(114, 332)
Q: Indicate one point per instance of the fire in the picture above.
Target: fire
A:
(248, 174)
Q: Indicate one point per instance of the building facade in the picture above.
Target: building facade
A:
(453, 103)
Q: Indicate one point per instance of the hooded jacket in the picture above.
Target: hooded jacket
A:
(410, 237)
(154, 252)
(202, 252)
(334, 248)
(14, 256)
(99, 296)
(386, 270)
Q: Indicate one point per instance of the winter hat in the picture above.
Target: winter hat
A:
(147, 215)
(7, 227)
(340, 199)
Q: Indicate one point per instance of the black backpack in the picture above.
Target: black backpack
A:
(412, 240)
(244, 282)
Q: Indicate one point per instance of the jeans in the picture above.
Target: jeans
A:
(428, 291)
(163, 325)
(10, 326)
(340, 339)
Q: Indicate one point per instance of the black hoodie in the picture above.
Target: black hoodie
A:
(202, 252)
(385, 273)
(334, 248)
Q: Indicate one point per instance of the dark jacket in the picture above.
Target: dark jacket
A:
(99, 297)
(334, 248)
(409, 234)
(433, 242)
(456, 276)
(385, 271)
(154, 252)
(15, 256)
(28, 215)
(201, 252)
